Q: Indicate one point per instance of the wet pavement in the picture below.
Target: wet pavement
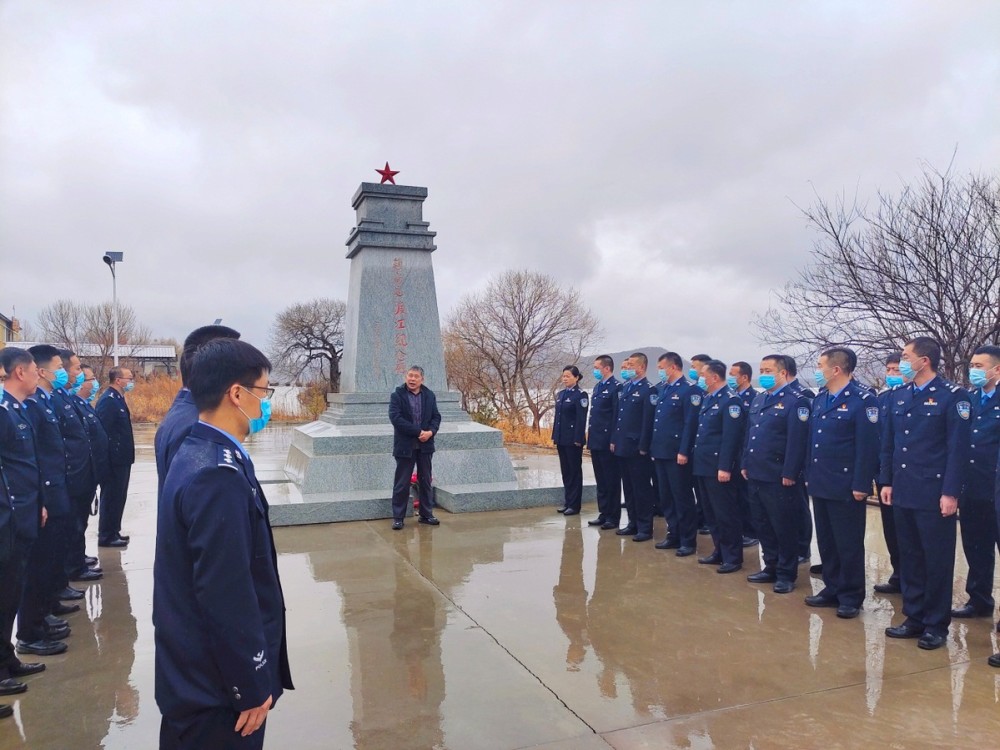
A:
(524, 629)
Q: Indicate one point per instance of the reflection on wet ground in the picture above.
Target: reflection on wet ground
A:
(523, 629)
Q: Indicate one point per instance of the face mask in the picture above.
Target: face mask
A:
(78, 380)
(906, 369)
(820, 378)
(1, 390)
(767, 382)
(663, 376)
(702, 384)
(259, 423)
(978, 377)
(692, 374)
(60, 377)
(598, 376)
(893, 380)
(74, 390)
(93, 397)
(731, 382)
(129, 386)
(627, 374)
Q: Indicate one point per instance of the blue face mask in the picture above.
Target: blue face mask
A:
(259, 423)
(93, 396)
(1, 390)
(702, 384)
(78, 380)
(129, 386)
(692, 374)
(731, 382)
(820, 378)
(767, 382)
(663, 376)
(978, 377)
(598, 376)
(60, 378)
(627, 374)
(893, 380)
(906, 369)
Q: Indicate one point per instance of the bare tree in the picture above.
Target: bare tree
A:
(520, 332)
(64, 321)
(310, 335)
(923, 262)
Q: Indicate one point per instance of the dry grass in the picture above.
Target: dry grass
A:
(524, 435)
(152, 397)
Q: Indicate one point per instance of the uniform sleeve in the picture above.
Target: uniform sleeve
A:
(732, 431)
(959, 437)
(866, 447)
(886, 449)
(400, 422)
(690, 430)
(795, 441)
(582, 404)
(648, 418)
(106, 413)
(216, 509)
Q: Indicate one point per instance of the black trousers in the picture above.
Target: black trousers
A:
(777, 514)
(44, 576)
(927, 559)
(840, 534)
(977, 523)
(805, 520)
(746, 515)
(113, 495)
(889, 534)
(571, 466)
(727, 529)
(627, 494)
(401, 483)
(12, 574)
(640, 477)
(676, 490)
(211, 728)
(77, 548)
(609, 485)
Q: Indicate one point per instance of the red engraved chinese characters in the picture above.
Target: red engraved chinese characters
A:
(399, 315)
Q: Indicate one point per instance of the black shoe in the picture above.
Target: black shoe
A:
(970, 610)
(571, 512)
(714, 559)
(57, 634)
(6, 711)
(929, 641)
(397, 525)
(729, 568)
(784, 587)
(994, 661)
(55, 622)
(561, 509)
(65, 609)
(668, 543)
(887, 588)
(685, 551)
(11, 686)
(847, 612)
(69, 593)
(627, 531)
(762, 577)
(819, 601)
(816, 570)
(904, 631)
(749, 541)
(87, 576)
(608, 525)
(704, 530)
(429, 520)
(803, 559)
(596, 522)
(41, 648)
(113, 543)
(642, 537)
(124, 538)
(91, 561)
(23, 670)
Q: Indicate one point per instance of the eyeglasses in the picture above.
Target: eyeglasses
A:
(268, 391)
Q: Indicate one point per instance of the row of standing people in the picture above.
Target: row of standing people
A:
(750, 462)
(59, 443)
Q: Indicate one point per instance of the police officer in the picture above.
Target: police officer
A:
(117, 420)
(805, 516)
(218, 609)
(893, 380)
(569, 430)
(739, 381)
(841, 462)
(20, 510)
(925, 455)
(603, 409)
(675, 424)
(694, 373)
(630, 444)
(977, 514)
(773, 458)
(716, 457)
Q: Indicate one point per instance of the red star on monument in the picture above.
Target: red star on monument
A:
(387, 174)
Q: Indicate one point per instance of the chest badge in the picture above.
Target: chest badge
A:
(930, 402)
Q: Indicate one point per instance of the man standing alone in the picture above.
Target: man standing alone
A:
(117, 420)
(415, 420)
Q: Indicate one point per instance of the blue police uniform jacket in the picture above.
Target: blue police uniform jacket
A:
(6, 515)
(51, 453)
(984, 447)
(925, 444)
(747, 396)
(569, 426)
(79, 465)
(634, 419)
(776, 435)
(117, 420)
(675, 420)
(180, 418)
(720, 427)
(842, 457)
(20, 463)
(603, 410)
(98, 439)
(796, 387)
(218, 608)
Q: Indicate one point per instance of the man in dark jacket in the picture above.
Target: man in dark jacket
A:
(415, 420)
(117, 420)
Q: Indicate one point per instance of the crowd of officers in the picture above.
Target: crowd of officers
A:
(59, 442)
(712, 454)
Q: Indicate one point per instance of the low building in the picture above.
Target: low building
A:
(143, 359)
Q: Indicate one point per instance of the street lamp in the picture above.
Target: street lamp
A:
(111, 258)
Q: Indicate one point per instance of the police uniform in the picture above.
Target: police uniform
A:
(81, 481)
(569, 431)
(603, 408)
(717, 448)
(98, 439)
(885, 511)
(925, 455)
(675, 424)
(977, 513)
(805, 516)
(218, 608)
(630, 439)
(117, 420)
(775, 449)
(177, 423)
(842, 459)
(746, 515)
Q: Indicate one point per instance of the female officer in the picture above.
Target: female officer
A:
(568, 433)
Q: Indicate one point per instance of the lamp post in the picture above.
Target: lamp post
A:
(111, 258)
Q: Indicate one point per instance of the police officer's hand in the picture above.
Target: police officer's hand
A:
(250, 720)
(642, 453)
(886, 495)
(681, 459)
(612, 447)
(744, 473)
(786, 482)
(724, 476)
(45, 515)
(578, 445)
(949, 505)
(860, 495)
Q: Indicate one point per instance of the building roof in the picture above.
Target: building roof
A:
(145, 351)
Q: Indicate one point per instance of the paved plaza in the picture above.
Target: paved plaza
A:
(524, 629)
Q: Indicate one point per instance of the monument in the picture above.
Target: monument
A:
(342, 463)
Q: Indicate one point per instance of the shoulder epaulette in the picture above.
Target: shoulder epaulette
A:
(226, 458)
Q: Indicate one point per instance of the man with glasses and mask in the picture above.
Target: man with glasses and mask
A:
(218, 608)
(117, 420)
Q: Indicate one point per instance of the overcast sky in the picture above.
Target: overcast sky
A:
(650, 154)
